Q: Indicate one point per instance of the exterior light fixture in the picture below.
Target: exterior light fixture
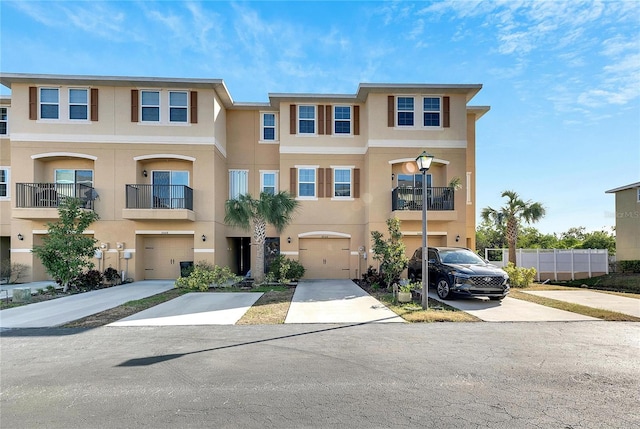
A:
(20, 237)
(457, 238)
(204, 237)
(144, 173)
(424, 163)
(289, 240)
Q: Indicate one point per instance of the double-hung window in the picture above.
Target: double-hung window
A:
(150, 106)
(78, 104)
(178, 106)
(306, 119)
(268, 127)
(342, 182)
(4, 129)
(342, 119)
(4, 182)
(49, 103)
(238, 183)
(268, 182)
(405, 112)
(307, 182)
(431, 111)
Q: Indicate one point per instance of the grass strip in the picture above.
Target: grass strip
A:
(270, 309)
(437, 311)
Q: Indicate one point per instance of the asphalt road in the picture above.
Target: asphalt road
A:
(463, 375)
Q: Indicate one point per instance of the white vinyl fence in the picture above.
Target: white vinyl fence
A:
(555, 264)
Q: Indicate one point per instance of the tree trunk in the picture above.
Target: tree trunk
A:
(512, 238)
(259, 237)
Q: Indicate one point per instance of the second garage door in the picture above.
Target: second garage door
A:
(325, 258)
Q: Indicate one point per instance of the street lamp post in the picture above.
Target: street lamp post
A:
(424, 163)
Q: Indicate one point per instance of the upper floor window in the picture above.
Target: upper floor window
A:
(342, 119)
(268, 127)
(4, 182)
(306, 182)
(78, 104)
(150, 106)
(431, 111)
(306, 119)
(639, 195)
(178, 106)
(405, 111)
(268, 182)
(49, 103)
(238, 183)
(342, 182)
(3, 121)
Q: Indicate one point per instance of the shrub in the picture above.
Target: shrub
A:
(630, 266)
(204, 276)
(518, 276)
(372, 277)
(111, 275)
(87, 281)
(283, 269)
(12, 272)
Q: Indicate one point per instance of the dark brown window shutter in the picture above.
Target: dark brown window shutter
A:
(321, 183)
(391, 111)
(194, 107)
(328, 182)
(356, 183)
(445, 112)
(321, 119)
(134, 105)
(94, 104)
(293, 181)
(33, 102)
(292, 119)
(328, 118)
(356, 120)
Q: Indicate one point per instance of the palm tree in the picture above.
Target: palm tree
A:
(512, 213)
(273, 209)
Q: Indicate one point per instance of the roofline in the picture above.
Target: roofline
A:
(623, 188)
(8, 79)
(364, 89)
(479, 111)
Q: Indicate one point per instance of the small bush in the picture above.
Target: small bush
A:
(89, 280)
(284, 270)
(12, 272)
(520, 277)
(372, 277)
(111, 275)
(630, 266)
(204, 276)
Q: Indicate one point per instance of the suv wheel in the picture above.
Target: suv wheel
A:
(443, 289)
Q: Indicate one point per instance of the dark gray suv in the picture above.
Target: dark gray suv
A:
(456, 270)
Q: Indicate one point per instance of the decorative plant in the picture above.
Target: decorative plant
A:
(390, 252)
(518, 276)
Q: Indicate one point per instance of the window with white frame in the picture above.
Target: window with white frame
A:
(178, 102)
(306, 182)
(306, 119)
(342, 182)
(5, 182)
(406, 110)
(49, 103)
(431, 111)
(268, 182)
(4, 128)
(268, 127)
(150, 103)
(342, 119)
(78, 103)
(238, 183)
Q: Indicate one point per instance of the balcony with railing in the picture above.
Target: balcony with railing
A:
(406, 203)
(41, 200)
(168, 202)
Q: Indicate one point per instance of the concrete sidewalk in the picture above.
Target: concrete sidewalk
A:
(336, 301)
(589, 298)
(63, 310)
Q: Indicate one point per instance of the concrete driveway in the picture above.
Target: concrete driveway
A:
(605, 301)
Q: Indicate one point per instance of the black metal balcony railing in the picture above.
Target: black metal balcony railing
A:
(159, 197)
(409, 198)
(49, 195)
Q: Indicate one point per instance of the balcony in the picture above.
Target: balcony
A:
(41, 200)
(161, 202)
(406, 203)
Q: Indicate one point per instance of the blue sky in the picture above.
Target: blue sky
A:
(562, 78)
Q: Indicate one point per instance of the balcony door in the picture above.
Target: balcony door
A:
(73, 183)
(168, 188)
(411, 186)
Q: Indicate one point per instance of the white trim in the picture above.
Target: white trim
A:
(403, 160)
(419, 233)
(275, 127)
(204, 250)
(333, 120)
(290, 253)
(162, 232)
(276, 179)
(46, 231)
(330, 233)
(356, 253)
(7, 182)
(102, 139)
(70, 154)
(163, 155)
(129, 250)
(323, 150)
(406, 143)
(20, 250)
(343, 167)
(315, 120)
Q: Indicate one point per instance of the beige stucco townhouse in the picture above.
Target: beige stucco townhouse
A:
(157, 158)
(627, 221)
